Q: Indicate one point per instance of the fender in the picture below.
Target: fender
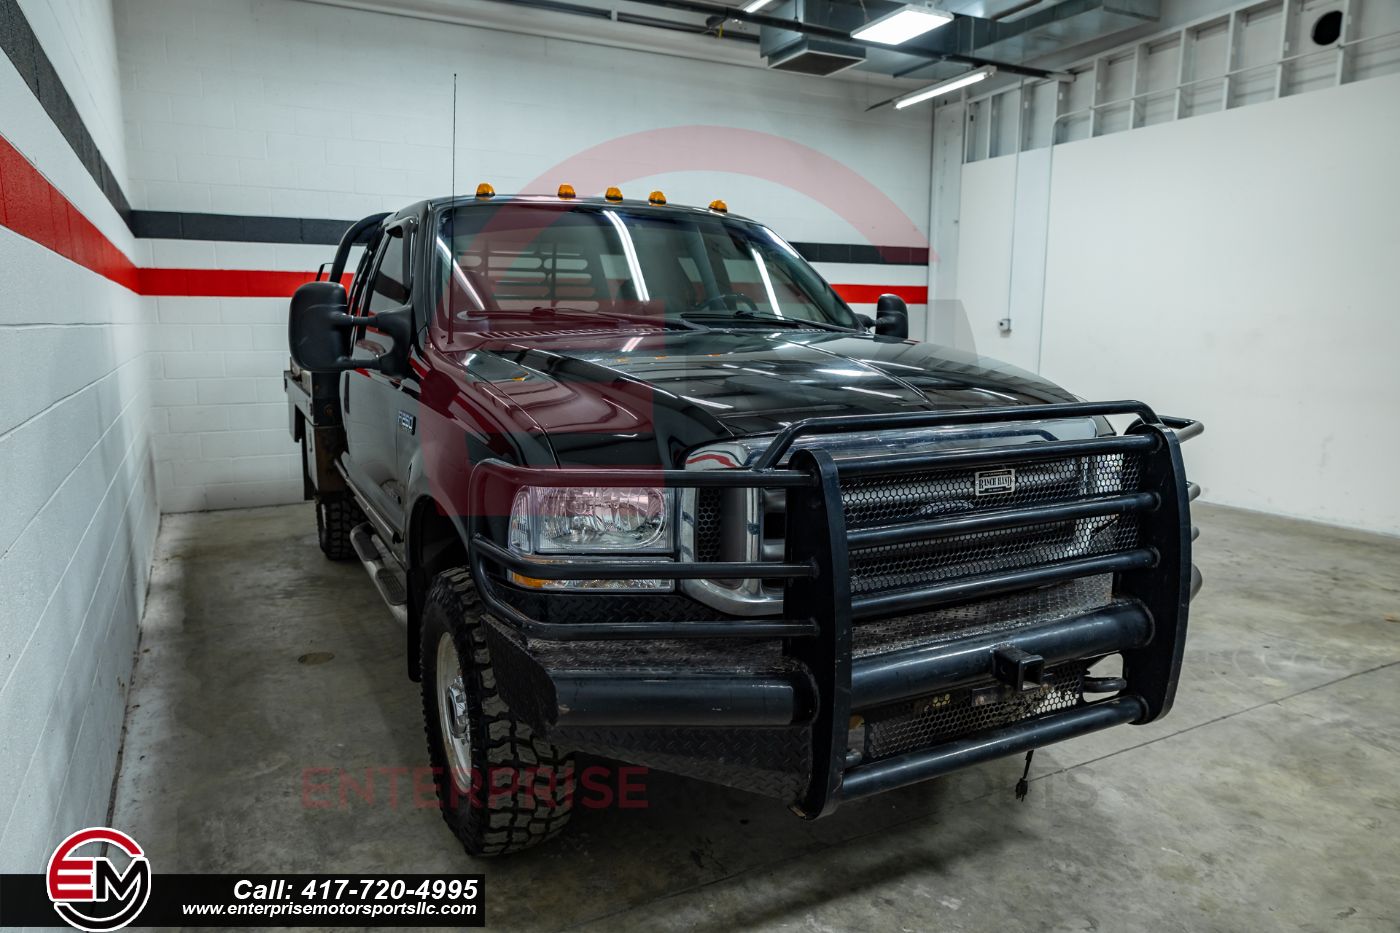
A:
(460, 421)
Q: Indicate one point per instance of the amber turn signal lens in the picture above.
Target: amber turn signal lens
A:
(656, 197)
(718, 205)
(613, 194)
(485, 191)
(566, 192)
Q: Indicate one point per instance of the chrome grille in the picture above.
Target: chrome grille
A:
(872, 500)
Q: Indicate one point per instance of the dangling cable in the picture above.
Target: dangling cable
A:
(1023, 786)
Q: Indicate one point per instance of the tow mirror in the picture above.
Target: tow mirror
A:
(866, 321)
(319, 327)
(891, 317)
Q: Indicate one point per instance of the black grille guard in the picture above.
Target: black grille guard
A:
(1154, 583)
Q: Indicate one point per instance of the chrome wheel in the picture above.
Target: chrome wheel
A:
(453, 716)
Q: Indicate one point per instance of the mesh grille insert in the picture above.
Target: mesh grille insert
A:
(892, 500)
(708, 504)
(930, 721)
(1000, 613)
(908, 565)
(895, 500)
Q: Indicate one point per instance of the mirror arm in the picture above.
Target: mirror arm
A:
(398, 325)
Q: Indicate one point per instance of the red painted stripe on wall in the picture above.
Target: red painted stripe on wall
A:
(31, 206)
(868, 294)
(222, 283)
(34, 208)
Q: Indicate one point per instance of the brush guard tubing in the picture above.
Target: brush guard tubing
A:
(1154, 581)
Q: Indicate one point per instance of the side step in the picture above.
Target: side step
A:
(383, 569)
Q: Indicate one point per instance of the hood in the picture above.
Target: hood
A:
(646, 397)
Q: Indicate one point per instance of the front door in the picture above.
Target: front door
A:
(373, 400)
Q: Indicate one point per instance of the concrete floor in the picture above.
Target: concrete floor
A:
(1268, 800)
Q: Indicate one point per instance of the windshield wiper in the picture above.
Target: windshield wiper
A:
(662, 322)
(744, 315)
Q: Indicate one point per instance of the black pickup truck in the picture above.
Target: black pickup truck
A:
(641, 485)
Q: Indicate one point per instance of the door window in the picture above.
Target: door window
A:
(390, 287)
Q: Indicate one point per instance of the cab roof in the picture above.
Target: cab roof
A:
(632, 204)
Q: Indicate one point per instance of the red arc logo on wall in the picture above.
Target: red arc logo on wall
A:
(91, 892)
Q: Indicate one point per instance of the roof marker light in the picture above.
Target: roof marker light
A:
(718, 205)
(908, 22)
(656, 197)
(484, 191)
(613, 194)
(943, 87)
(566, 192)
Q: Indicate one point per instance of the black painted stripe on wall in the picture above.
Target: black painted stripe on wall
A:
(240, 228)
(863, 253)
(22, 47)
(236, 228)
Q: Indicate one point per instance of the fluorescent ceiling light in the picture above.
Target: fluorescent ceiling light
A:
(756, 5)
(943, 87)
(907, 22)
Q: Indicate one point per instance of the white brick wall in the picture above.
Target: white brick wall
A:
(219, 416)
(77, 36)
(293, 109)
(80, 516)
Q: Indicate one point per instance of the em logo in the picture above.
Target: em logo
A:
(89, 892)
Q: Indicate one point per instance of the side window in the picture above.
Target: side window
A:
(363, 272)
(390, 288)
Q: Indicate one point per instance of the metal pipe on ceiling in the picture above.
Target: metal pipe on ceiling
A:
(707, 8)
(631, 19)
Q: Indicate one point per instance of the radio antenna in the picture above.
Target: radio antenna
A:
(451, 231)
(453, 191)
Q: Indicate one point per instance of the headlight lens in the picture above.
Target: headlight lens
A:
(591, 520)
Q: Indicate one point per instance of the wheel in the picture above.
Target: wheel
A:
(500, 787)
(335, 518)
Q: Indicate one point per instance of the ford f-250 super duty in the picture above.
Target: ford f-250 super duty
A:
(641, 485)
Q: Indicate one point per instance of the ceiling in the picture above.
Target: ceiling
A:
(1022, 37)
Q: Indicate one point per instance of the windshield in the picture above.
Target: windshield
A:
(567, 263)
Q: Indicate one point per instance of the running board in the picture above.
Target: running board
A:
(383, 569)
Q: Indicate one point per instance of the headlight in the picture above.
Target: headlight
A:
(592, 520)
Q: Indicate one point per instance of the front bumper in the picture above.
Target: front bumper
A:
(792, 705)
